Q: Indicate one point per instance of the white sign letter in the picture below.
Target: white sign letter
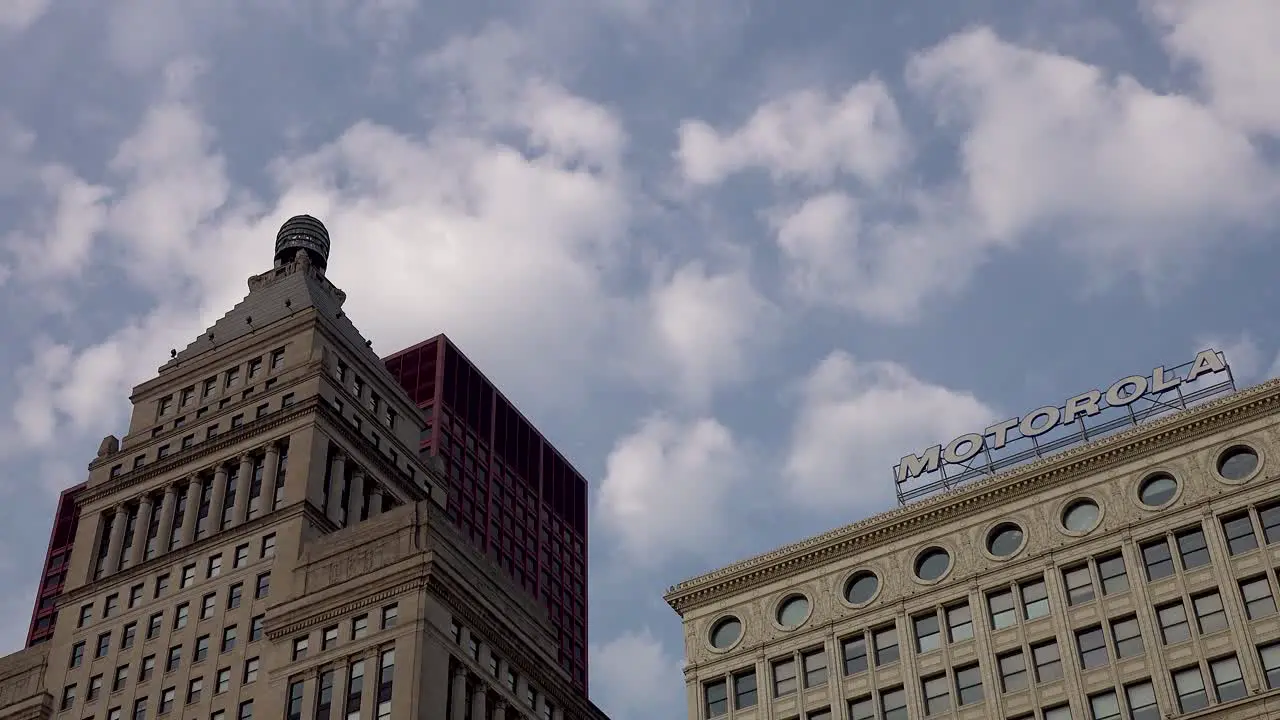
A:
(1050, 414)
(972, 444)
(1159, 383)
(1207, 361)
(1116, 399)
(1001, 432)
(916, 465)
(1085, 404)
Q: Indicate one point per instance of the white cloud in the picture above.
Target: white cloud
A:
(805, 136)
(1242, 353)
(633, 673)
(1232, 43)
(666, 486)
(18, 15)
(856, 420)
(1128, 176)
(704, 329)
(62, 243)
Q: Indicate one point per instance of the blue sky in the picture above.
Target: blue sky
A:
(735, 258)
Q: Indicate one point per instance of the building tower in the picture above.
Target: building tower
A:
(264, 541)
(510, 491)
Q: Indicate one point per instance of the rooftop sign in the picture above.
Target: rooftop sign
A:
(1046, 430)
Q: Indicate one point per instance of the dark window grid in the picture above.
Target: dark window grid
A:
(1193, 551)
(1157, 559)
(1239, 534)
(1092, 645)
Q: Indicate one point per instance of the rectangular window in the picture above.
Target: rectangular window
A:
(174, 659)
(716, 698)
(222, 681)
(1157, 559)
(215, 566)
(250, 670)
(1228, 681)
(255, 628)
(264, 586)
(1174, 627)
(228, 639)
(293, 705)
(893, 704)
(937, 696)
(862, 709)
(135, 595)
(233, 596)
(207, 604)
(68, 697)
(255, 368)
(167, 697)
(209, 386)
(1189, 686)
(928, 634)
(86, 615)
(389, 615)
(1192, 548)
(360, 628)
(329, 638)
(744, 690)
(241, 556)
(246, 711)
(232, 377)
(194, 689)
(1269, 518)
(1001, 606)
(111, 605)
(324, 695)
(1211, 616)
(854, 651)
(885, 641)
(127, 635)
(1104, 706)
(355, 688)
(1142, 701)
(1079, 584)
(968, 685)
(1035, 599)
(77, 655)
(121, 676)
(815, 668)
(202, 649)
(95, 689)
(1127, 637)
(1238, 530)
(268, 546)
(784, 677)
(959, 622)
(1013, 671)
(1270, 657)
(148, 668)
(1111, 573)
(1093, 647)
(299, 648)
(162, 585)
(277, 359)
(1258, 601)
(104, 645)
(140, 709)
(1048, 661)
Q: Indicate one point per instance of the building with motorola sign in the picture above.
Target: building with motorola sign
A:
(265, 541)
(1130, 576)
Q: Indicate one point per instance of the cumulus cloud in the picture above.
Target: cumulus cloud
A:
(856, 420)
(18, 15)
(1232, 46)
(1052, 143)
(666, 486)
(806, 136)
(635, 675)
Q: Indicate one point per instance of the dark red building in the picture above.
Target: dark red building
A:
(52, 578)
(516, 496)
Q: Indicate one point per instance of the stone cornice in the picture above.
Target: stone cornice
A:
(195, 453)
(1097, 456)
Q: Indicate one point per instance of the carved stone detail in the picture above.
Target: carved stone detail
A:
(110, 446)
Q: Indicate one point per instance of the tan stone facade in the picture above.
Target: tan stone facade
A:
(1135, 577)
(264, 542)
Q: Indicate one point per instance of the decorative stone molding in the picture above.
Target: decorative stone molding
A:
(1091, 458)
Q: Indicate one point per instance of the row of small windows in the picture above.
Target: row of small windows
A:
(230, 378)
(168, 696)
(1006, 538)
(372, 401)
(213, 568)
(211, 432)
(512, 680)
(358, 629)
(350, 702)
(1039, 662)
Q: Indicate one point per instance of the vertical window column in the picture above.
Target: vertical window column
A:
(167, 510)
(270, 468)
(337, 477)
(191, 513)
(115, 543)
(355, 496)
(240, 512)
(140, 528)
(217, 498)
(375, 498)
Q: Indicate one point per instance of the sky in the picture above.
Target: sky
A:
(734, 257)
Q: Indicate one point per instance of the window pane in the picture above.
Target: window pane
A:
(1158, 561)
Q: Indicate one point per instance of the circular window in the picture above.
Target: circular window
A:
(861, 588)
(932, 564)
(1157, 490)
(1004, 540)
(726, 633)
(1080, 516)
(1237, 463)
(793, 611)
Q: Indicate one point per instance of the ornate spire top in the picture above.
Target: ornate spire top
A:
(306, 234)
